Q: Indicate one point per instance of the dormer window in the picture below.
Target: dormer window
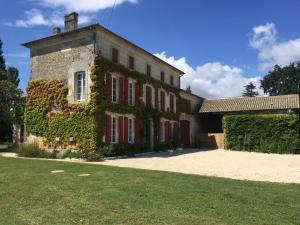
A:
(115, 55)
(80, 86)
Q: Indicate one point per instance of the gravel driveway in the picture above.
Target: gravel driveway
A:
(220, 163)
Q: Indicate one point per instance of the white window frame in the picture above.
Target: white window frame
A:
(80, 95)
(114, 136)
(131, 93)
(130, 130)
(116, 95)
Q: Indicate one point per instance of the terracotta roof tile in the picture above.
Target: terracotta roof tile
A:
(251, 104)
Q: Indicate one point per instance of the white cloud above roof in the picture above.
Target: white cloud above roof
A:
(270, 51)
(213, 79)
(85, 5)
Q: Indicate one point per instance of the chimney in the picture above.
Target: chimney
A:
(56, 30)
(71, 21)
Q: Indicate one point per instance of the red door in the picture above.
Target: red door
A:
(185, 133)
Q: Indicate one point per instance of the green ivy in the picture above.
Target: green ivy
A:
(85, 122)
(262, 133)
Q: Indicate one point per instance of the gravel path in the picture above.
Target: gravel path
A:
(220, 163)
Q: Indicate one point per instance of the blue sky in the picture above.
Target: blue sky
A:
(221, 45)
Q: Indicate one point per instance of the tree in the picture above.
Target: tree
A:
(10, 96)
(189, 89)
(12, 75)
(282, 80)
(2, 63)
(250, 90)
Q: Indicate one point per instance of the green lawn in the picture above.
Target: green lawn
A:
(30, 194)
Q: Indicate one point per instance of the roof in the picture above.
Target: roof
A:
(190, 93)
(251, 104)
(98, 26)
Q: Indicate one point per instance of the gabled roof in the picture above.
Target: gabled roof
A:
(98, 26)
(251, 104)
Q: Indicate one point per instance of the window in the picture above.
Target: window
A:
(114, 130)
(162, 101)
(162, 132)
(148, 70)
(148, 97)
(172, 80)
(114, 97)
(80, 86)
(130, 131)
(162, 76)
(131, 62)
(131, 93)
(115, 55)
(172, 103)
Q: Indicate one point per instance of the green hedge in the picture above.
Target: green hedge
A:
(262, 133)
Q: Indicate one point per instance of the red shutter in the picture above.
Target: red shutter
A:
(166, 131)
(126, 91)
(148, 97)
(115, 57)
(137, 130)
(126, 130)
(120, 130)
(107, 129)
(162, 101)
(169, 131)
(121, 88)
(108, 87)
(171, 103)
(137, 99)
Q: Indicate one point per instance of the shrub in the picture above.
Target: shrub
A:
(262, 133)
(32, 150)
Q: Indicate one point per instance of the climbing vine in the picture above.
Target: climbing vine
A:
(48, 113)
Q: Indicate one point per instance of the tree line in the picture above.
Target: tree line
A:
(11, 104)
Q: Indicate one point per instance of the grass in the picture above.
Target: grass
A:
(30, 194)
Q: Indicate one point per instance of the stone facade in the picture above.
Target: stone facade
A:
(62, 56)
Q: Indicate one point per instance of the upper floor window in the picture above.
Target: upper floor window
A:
(162, 76)
(131, 62)
(114, 96)
(114, 128)
(148, 70)
(115, 55)
(162, 101)
(131, 93)
(172, 105)
(80, 86)
(172, 80)
(148, 97)
(130, 131)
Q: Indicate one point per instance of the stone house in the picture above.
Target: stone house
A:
(69, 57)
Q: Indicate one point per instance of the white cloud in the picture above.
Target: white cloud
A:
(211, 80)
(270, 51)
(55, 17)
(36, 17)
(18, 55)
(84, 5)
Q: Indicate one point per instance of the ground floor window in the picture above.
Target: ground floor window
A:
(130, 131)
(114, 130)
(162, 132)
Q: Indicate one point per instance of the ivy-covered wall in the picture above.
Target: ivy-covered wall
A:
(48, 113)
(262, 133)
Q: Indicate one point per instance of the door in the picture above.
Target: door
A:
(185, 133)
